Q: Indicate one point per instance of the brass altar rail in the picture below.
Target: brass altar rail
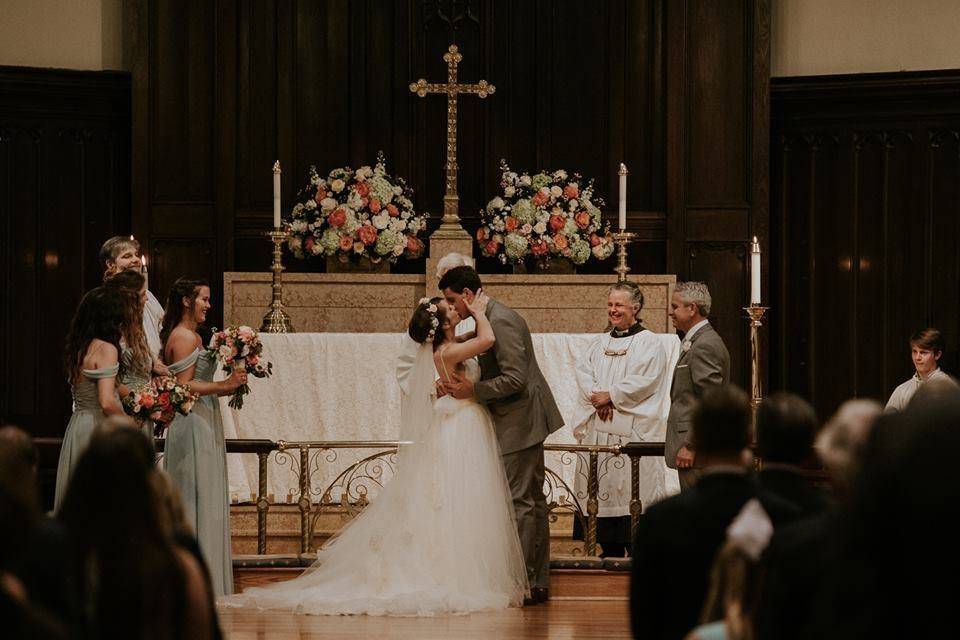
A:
(568, 502)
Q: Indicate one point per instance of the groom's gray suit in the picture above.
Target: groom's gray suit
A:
(524, 414)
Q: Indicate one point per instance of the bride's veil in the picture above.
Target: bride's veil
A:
(417, 396)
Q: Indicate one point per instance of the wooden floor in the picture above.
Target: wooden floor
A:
(561, 618)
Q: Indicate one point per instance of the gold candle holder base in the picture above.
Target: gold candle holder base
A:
(622, 239)
(277, 320)
(754, 316)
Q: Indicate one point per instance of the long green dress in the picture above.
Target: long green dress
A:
(196, 459)
(87, 415)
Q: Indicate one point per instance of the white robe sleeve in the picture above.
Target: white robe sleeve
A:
(637, 397)
(585, 371)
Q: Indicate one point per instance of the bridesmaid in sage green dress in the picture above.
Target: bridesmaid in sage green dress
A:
(91, 360)
(195, 455)
(139, 364)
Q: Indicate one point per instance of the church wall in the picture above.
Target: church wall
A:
(864, 212)
(79, 34)
(816, 37)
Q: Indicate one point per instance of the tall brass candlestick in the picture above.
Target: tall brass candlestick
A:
(277, 320)
(622, 239)
(755, 314)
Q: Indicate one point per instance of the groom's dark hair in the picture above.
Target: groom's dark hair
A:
(460, 278)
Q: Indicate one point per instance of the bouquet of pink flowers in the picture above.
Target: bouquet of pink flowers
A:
(544, 215)
(160, 402)
(240, 347)
(356, 213)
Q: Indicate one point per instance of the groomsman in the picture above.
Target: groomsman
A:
(704, 364)
(123, 252)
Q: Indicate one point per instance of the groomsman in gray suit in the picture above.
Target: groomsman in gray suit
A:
(524, 413)
(704, 364)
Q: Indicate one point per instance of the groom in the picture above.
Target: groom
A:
(524, 414)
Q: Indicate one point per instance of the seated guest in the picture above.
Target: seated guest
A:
(802, 554)
(736, 579)
(624, 381)
(133, 580)
(898, 552)
(40, 558)
(31, 573)
(120, 253)
(678, 538)
(786, 425)
(926, 349)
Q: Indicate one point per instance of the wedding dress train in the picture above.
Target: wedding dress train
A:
(439, 539)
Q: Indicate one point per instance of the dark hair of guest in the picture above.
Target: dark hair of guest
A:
(786, 426)
(721, 422)
(422, 321)
(129, 577)
(460, 278)
(173, 312)
(100, 315)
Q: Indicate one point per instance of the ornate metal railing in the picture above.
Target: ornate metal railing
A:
(350, 488)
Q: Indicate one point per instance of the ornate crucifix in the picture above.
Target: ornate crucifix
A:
(451, 218)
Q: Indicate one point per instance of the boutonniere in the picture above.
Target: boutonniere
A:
(686, 345)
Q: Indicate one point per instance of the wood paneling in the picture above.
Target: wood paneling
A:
(64, 189)
(677, 90)
(865, 216)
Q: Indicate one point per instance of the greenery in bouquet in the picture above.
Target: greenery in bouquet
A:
(356, 213)
(544, 216)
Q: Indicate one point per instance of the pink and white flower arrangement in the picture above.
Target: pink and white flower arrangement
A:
(544, 215)
(356, 213)
(160, 401)
(240, 347)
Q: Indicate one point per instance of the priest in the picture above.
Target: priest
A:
(624, 382)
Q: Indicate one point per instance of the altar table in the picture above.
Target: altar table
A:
(342, 386)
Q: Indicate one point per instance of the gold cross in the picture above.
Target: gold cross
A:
(451, 218)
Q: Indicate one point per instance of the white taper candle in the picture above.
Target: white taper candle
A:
(622, 211)
(755, 272)
(276, 194)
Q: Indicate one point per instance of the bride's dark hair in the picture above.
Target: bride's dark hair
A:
(421, 323)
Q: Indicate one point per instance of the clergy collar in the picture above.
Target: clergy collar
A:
(633, 330)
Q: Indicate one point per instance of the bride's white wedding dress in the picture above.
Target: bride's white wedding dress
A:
(439, 539)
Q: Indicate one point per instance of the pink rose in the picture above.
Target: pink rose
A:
(541, 198)
(308, 243)
(595, 240)
(363, 189)
(146, 400)
(491, 248)
(414, 246)
(346, 243)
(482, 235)
(510, 223)
(367, 234)
(321, 194)
(336, 219)
(375, 205)
(582, 219)
(393, 211)
(571, 191)
(539, 247)
(253, 360)
(557, 223)
(560, 242)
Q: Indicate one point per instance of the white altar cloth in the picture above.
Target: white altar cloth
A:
(342, 386)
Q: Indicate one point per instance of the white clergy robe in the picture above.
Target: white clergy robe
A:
(639, 386)
(152, 318)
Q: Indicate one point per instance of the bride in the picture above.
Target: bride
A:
(441, 537)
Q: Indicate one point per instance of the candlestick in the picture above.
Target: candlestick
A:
(754, 316)
(277, 320)
(622, 239)
(754, 272)
(622, 211)
(276, 194)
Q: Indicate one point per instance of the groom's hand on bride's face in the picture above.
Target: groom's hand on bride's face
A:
(459, 387)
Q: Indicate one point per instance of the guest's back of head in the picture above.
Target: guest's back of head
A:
(721, 423)
(786, 426)
(19, 506)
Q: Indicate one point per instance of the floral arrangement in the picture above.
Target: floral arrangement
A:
(240, 347)
(362, 213)
(160, 402)
(434, 322)
(545, 215)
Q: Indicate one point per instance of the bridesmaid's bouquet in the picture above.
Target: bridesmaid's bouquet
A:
(240, 347)
(160, 402)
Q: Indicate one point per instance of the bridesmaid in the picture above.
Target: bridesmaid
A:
(91, 360)
(139, 366)
(196, 456)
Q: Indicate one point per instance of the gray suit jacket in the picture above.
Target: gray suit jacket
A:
(704, 365)
(512, 385)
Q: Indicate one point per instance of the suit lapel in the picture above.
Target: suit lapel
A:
(683, 352)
